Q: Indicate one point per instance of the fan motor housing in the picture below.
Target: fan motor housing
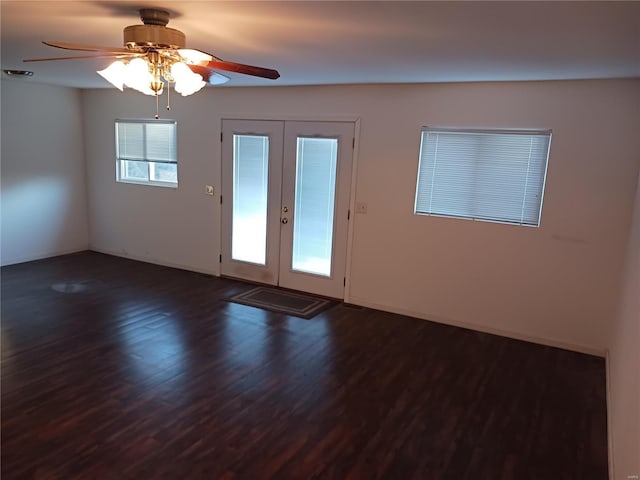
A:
(153, 36)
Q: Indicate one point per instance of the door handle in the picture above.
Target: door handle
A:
(284, 220)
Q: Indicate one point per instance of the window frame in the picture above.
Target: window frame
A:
(151, 164)
(483, 130)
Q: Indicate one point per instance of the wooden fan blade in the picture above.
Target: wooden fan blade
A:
(192, 56)
(208, 75)
(217, 59)
(111, 55)
(246, 69)
(86, 48)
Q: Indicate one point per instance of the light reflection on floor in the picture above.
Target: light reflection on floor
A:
(256, 337)
(154, 344)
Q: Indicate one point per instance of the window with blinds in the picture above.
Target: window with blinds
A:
(490, 175)
(146, 152)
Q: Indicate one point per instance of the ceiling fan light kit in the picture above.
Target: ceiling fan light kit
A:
(147, 76)
(155, 57)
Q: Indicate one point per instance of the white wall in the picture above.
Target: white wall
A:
(556, 284)
(624, 362)
(43, 199)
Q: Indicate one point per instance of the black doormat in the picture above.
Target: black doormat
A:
(283, 301)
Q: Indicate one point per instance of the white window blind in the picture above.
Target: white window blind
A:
(146, 152)
(146, 141)
(492, 175)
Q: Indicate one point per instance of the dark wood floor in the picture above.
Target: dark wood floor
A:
(148, 373)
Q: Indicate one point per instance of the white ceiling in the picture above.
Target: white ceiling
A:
(318, 42)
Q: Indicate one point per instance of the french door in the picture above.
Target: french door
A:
(285, 208)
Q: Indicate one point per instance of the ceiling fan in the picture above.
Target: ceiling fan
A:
(154, 55)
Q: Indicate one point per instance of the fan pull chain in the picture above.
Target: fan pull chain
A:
(168, 95)
(157, 106)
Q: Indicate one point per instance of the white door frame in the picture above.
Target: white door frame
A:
(332, 285)
(250, 271)
(356, 121)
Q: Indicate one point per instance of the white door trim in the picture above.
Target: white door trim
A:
(356, 122)
(250, 271)
(343, 132)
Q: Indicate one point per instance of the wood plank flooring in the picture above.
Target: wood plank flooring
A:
(146, 372)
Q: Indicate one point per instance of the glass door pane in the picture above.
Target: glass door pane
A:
(250, 196)
(251, 190)
(315, 192)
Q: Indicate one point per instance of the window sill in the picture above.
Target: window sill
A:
(149, 183)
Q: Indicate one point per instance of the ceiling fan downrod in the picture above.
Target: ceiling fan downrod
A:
(153, 16)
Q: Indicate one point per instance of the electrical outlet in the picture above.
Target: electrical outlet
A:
(361, 207)
(209, 189)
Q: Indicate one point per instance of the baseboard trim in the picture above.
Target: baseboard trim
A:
(154, 261)
(549, 342)
(45, 255)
